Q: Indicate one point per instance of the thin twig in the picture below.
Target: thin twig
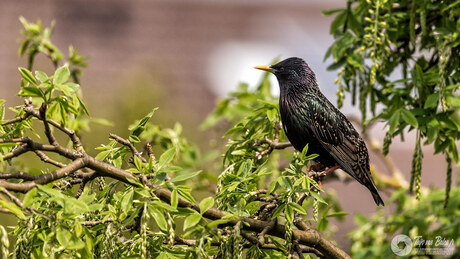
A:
(93, 223)
(270, 226)
(272, 144)
(128, 143)
(48, 160)
(42, 114)
(11, 197)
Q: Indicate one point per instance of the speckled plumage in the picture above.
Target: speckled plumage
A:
(308, 117)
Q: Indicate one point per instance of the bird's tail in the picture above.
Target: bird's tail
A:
(375, 194)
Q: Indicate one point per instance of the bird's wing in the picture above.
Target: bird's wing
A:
(323, 123)
(331, 128)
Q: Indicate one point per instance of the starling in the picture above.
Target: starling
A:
(309, 118)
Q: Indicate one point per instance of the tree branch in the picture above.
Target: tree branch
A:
(310, 238)
(128, 143)
(45, 178)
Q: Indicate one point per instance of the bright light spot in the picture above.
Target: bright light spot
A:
(232, 63)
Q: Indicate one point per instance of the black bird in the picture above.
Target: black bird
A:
(308, 117)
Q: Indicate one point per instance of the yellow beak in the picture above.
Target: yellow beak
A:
(265, 68)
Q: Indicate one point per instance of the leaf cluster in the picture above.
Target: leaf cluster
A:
(138, 196)
(399, 61)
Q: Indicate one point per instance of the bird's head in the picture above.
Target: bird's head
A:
(292, 72)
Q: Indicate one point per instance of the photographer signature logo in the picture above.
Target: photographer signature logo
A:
(402, 245)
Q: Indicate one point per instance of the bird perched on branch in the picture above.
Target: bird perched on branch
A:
(309, 118)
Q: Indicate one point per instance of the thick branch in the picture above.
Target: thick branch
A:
(30, 145)
(45, 178)
(310, 238)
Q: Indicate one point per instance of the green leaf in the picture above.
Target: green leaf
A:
(278, 210)
(304, 152)
(289, 213)
(409, 118)
(103, 155)
(431, 101)
(271, 115)
(206, 204)
(332, 11)
(174, 198)
(432, 130)
(29, 198)
(184, 192)
(27, 75)
(184, 176)
(338, 21)
(166, 157)
(139, 128)
(85, 111)
(159, 217)
(356, 60)
(61, 75)
(31, 91)
(337, 214)
(322, 224)
(454, 101)
(15, 209)
(394, 120)
(244, 168)
(318, 197)
(41, 76)
(298, 208)
(127, 201)
(138, 163)
(192, 220)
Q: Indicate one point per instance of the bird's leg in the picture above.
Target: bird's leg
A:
(315, 167)
(332, 169)
(318, 176)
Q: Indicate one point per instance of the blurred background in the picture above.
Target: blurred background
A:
(182, 56)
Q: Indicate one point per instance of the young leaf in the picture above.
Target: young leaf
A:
(61, 75)
(166, 157)
(27, 75)
(206, 204)
(192, 220)
(337, 214)
(29, 198)
(184, 176)
(127, 201)
(431, 101)
(159, 217)
(409, 118)
(41, 76)
(322, 224)
(13, 208)
(174, 198)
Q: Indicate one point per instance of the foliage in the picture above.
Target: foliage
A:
(426, 218)
(125, 203)
(399, 60)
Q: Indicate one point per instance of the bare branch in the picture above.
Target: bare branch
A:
(96, 222)
(45, 178)
(30, 145)
(272, 144)
(310, 238)
(11, 197)
(128, 143)
(19, 175)
(42, 114)
(46, 159)
(270, 226)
